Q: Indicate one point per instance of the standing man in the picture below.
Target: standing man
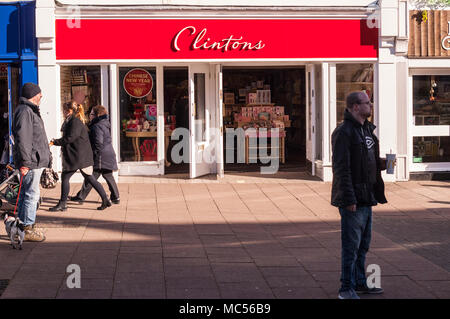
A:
(357, 186)
(31, 155)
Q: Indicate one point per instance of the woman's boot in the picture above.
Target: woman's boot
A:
(61, 207)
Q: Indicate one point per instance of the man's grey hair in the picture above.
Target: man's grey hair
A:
(353, 98)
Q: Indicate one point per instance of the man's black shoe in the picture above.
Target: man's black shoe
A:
(76, 199)
(60, 207)
(367, 290)
(105, 204)
(115, 201)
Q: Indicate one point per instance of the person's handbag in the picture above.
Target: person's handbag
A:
(49, 178)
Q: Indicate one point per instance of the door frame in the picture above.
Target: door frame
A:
(310, 116)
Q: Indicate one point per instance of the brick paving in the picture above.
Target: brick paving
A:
(242, 237)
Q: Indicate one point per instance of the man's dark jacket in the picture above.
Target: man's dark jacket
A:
(76, 148)
(30, 140)
(100, 136)
(350, 172)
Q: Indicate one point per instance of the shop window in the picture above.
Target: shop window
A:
(262, 99)
(82, 84)
(350, 78)
(431, 99)
(138, 114)
(431, 149)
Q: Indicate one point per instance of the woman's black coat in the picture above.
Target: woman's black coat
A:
(100, 136)
(76, 148)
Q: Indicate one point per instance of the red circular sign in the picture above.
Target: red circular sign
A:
(138, 83)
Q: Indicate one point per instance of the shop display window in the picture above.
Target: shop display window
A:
(427, 149)
(82, 84)
(138, 114)
(431, 99)
(350, 78)
(261, 99)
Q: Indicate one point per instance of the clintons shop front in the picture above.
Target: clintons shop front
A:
(208, 94)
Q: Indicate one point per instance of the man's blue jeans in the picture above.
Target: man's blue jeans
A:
(356, 229)
(29, 196)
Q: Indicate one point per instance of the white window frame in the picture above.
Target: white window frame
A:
(424, 130)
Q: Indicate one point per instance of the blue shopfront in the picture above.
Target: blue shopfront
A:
(18, 57)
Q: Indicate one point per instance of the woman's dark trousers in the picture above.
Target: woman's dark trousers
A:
(109, 178)
(89, 179)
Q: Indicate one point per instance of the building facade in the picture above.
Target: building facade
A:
(234, 85)
(18, 56)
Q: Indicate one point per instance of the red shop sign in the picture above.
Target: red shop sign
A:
(217, 39)
(138, 83)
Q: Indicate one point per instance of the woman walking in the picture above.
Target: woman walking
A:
(104, 156)
(77, 154)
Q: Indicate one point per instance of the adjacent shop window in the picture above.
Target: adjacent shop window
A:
(431, 149)
(431, 99)
(138, 114)
(350, 78)
(82, 84)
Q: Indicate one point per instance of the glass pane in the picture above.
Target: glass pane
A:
(4, 110)
(199, 100)
(350, 78)
(431, 99)
(176, 114)
(15, 87)
(83, 84)
(431, 149)
(138, 114)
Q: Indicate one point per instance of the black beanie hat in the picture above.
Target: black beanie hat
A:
(30, 90)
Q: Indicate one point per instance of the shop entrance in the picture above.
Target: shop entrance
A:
(176, 110)
(261, 100)
(9, 87)
(189, 108)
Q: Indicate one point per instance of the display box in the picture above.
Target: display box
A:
(251, 98)
(260, 96)
(228, 98)
(278, 124)
(266, 97)
(279, 110)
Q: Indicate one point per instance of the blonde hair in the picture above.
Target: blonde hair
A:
(77, 109)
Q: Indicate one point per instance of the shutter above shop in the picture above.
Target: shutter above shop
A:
(429, 34)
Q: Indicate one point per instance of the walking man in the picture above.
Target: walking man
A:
(31, 155)
(357, 186)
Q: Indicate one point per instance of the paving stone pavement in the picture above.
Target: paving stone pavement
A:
(241, 238)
